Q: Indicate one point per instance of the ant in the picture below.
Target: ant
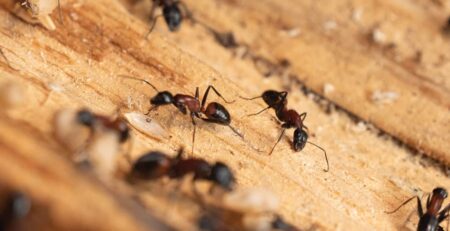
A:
(171, 12)
(154, 165)
(15, 207)
(93, 121)
(214, 112)
(290, 118)
(432, 218)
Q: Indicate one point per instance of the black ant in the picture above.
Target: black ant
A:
(94, 121)
(290, 118)
(171, 12)
(432, 217)
(16, 206)
(154, 165)
(214, 112)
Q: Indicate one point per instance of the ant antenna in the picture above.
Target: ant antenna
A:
(59, 12)
(155, 19)
(257, 113)
(404, 203)
(145, 81)
(325, 153)
(256, 97)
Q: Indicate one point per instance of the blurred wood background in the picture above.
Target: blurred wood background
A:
(373, 77)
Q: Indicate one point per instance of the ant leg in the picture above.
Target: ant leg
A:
(59, 12)
(150, 110)
(154, 20)
(279, 138)
(406, 202)
(235, 131)
(444, 214)
(196, 93)
(303, 116)
(205, 96)
(193, 134)
(187, 11)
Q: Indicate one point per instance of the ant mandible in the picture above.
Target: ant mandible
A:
(432, 218)
(93, 121)
(154, 165)
(290, 118)
(214, 112)
(171, 12)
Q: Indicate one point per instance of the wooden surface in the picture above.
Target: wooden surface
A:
(78, 64)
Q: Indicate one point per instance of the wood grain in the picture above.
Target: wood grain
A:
(79, 63)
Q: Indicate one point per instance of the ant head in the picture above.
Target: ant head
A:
(217, 113)
(151, 165)
(272, 98)
(441, 192)
(300, 139)
(85, 117)
(223, 176)
(124, 131)
(162, 98)
(18, 205)
(172, 16)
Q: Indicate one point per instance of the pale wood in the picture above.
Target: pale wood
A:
(101, 39)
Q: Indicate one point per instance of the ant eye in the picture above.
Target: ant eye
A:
(85, 117)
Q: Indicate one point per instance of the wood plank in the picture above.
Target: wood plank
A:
(345, 58)
(78, 64)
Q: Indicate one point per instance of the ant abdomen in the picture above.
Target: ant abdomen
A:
(152, 165)
(217, 113)
(300, 139)
(172, 16)
(223, 176)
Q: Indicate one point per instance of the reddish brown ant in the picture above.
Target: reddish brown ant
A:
(290, 118)
(16, 206)
(214, 112)
(431, 219)
(92, 120)
(171, 12)
(153, 165)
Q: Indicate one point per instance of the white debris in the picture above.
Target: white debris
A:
(254, 200)
(359, 127)
(292, 33)
(328, 88)
(37, 11)
(55, 87)
(357, 14)
(330, 25)
(378, 36)
(145, 125)
(384, 97)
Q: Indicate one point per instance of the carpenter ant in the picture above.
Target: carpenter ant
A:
(15, 207)
(92, 121)
(153, 165)
(171, 12)
(432, 218)
(214, 112)
(290, 118)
